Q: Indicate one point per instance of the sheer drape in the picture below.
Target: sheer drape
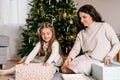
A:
(13, 11)
(4, 9)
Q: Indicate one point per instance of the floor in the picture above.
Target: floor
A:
(7, 65)
(10, 64)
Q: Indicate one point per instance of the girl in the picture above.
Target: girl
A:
(48, 50)
(97, 39)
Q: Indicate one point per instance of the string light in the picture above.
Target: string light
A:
(66, 1)
(49, 2)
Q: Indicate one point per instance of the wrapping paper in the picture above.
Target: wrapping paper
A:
(34, 71)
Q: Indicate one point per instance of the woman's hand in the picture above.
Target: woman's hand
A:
(107, 59)
(68, 61)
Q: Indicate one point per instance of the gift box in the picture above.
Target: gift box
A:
(34, 71)
(73, 76)
(106, 72)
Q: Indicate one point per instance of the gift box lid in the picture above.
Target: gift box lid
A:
(106, 72)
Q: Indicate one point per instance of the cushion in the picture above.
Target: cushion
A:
(4, 41)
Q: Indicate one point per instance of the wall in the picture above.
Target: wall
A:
(109, 10)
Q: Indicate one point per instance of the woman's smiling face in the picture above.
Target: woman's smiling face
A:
(85, 19)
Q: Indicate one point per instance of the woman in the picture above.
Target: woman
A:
(97, 40)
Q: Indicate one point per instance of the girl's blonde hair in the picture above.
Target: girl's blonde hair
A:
(49, 50)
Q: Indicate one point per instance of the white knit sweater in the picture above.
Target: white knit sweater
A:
(54, 58)
(98, 40)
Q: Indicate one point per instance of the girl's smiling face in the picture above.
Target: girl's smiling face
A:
(85, 19)
(46, 34)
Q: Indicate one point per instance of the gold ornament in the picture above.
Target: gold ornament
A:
(64, 15)
(38, 11)
(71, 21)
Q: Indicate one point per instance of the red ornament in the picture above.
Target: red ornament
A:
(28, 21)
(41, 1)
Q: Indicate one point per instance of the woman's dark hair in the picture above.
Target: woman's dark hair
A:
(89, 9)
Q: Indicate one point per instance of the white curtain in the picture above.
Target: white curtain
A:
(13, 14)
(13, 11)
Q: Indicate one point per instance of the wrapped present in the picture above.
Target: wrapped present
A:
(34, 71)
(106, 72)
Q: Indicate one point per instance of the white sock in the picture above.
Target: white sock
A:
(8, 71)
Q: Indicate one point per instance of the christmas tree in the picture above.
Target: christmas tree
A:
(60, 13)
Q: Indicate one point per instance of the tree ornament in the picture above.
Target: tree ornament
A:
(29, 40)
(66, 1)
(57, 1)
(34, 43)
(72, 37)
(28, 21)
(41, 1)
(64, 15)
(49, 2)
(71, 21)
(38, 11)
(58, 29)
(53, 20)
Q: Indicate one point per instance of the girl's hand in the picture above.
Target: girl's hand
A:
(107, 59)
(46, 64)
(25, 64)
(68, 61)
